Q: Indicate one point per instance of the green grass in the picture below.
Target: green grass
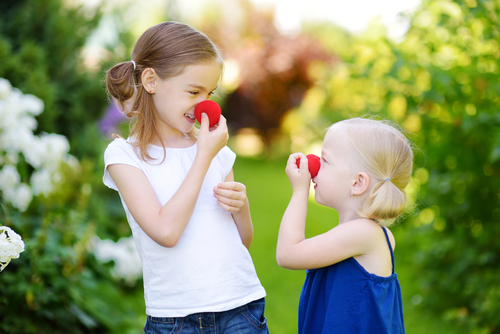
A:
(269, 191)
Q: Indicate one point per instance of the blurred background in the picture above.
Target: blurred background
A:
(292, 68)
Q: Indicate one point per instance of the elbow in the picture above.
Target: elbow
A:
(283, 260)
(247, 243)
(168, 240)
(169, 243)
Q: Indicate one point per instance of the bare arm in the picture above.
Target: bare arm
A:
(294, 251)
(165, 224)
(232, 197)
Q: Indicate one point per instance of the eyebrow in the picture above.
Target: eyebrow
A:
(194, 85)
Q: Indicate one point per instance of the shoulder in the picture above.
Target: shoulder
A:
(227, 153)
(362, 230)
(119, 143)
(121, 151)
(119, 146)
(372, 232)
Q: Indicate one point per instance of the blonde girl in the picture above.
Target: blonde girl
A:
(190, 220)
(350, 285)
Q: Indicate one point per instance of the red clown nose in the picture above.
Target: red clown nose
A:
(211, 108)
(314, 162)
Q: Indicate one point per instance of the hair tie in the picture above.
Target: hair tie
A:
(387, 180)
(133, 62)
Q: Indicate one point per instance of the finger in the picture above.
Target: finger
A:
(304, 165)
(222, 121)
(292, 160)
(228, 208)
(221, 126)
(204, 122)
(236, 186)
(227, 203)
(229, 194)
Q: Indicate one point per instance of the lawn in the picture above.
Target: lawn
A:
(269, 191)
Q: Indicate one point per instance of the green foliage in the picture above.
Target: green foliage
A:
(40, 46)
(57, 283)
(441, 84)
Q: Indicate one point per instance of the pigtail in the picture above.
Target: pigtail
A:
(385, 202)
(120, 83)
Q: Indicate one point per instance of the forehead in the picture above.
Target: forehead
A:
(336, 139)
(335, 133)
(206, 74)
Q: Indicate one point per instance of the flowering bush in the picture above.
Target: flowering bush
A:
(20, 147)
(128, 265)
(11, 245)
(46, 196)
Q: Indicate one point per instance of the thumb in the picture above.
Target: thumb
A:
(204, 122)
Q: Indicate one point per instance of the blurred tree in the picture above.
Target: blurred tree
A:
(273, 69)
(40, 47)
(441, 84)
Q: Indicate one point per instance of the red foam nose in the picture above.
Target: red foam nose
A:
(211, 108)
(314, 162)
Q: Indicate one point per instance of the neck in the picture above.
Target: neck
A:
(175, 141)
(349, 210)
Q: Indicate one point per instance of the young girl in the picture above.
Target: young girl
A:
(350, 285)
(190, 221)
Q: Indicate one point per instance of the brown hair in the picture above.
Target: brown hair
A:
(167, 48)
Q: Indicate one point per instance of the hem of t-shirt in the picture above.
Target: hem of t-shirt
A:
(174, 313)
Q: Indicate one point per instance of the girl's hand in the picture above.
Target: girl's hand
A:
(211, 141)
(231, 196)
(300, 178)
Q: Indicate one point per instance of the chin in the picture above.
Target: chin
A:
(318, 199)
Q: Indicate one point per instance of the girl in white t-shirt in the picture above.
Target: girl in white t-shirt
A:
(190, 220)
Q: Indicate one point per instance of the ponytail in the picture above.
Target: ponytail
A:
(120, 84)
(385, 202)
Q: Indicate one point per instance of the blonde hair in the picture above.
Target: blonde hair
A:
(167, 48)
(387, 156)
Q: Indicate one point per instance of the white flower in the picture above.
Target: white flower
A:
(128, 265)
(5, 88)
(21, 197)
(41, 182)
(34, 153)
(32, 104)
(11, 245)
(9, 178)
(56, 147)
(43, 152)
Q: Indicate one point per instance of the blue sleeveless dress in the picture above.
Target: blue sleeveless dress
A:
(345, 298)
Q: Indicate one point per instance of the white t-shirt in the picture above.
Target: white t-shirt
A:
(209, 269)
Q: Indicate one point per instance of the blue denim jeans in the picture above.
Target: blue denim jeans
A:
(247, 319)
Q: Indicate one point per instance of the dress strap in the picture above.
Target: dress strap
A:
(390, 247)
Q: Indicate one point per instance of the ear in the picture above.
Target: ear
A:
(360, 184)
(148, 79)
